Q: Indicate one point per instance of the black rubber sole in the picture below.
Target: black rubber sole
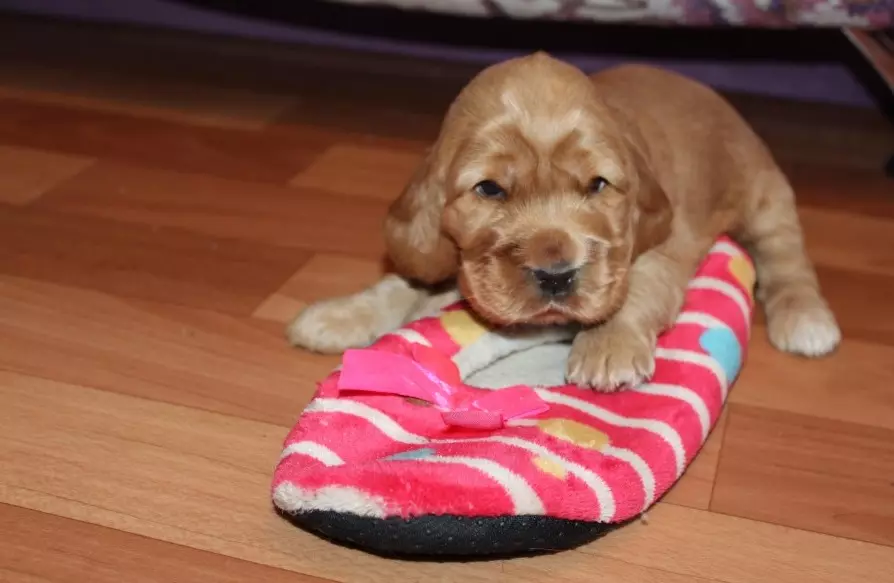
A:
(446, 537)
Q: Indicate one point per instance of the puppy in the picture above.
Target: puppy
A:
(551, 197)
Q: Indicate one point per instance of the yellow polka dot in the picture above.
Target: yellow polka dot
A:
(462, 327)
(550, 466)
(574, 432)
(743, 272)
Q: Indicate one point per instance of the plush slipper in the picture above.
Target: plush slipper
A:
(408, 449)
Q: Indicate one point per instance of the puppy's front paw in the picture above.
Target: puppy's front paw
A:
(611, 357)
(333, 326)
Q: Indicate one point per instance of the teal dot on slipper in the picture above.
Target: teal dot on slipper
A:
(723, 346)
(413, 454)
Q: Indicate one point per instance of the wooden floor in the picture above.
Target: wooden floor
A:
(168, 202)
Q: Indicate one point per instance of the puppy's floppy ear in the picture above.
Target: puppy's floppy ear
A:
(416, 243)
(653, 211)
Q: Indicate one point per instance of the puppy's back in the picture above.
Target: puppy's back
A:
(696, 140)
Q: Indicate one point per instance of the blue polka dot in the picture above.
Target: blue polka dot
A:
(723, 346)
(413, 454)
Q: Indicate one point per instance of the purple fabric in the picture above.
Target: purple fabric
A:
(762, 13)
(823, 82)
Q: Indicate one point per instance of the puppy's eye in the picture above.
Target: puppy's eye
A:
(490, 189)
(597, 185)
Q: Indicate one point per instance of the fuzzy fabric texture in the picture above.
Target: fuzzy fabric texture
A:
(589, 456)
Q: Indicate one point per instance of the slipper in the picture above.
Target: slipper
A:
(448, 438)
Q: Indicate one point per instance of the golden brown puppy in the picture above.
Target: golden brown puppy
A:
(552, 197)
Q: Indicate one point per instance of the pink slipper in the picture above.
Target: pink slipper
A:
(448, 438)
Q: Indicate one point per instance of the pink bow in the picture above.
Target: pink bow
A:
(424, 373)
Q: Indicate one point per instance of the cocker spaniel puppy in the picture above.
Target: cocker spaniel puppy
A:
(551, 198)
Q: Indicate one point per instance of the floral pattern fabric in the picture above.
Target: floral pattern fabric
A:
(752, 13)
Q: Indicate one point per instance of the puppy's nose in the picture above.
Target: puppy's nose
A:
(555, 282)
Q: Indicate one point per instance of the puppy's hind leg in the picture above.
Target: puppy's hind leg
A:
(799, 319)
(337, 324)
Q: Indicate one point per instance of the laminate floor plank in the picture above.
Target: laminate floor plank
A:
(202, 359)
(699, 543)
(844, 241)
(323, 276)
(47, 548)
(131, 93)
(809, 473)
(166, 264)
(842, 190)
(306, 219)
(270, 156)
(854, 385)
(25, 174)
(375, 172)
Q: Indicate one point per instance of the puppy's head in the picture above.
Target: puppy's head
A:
(536, 195)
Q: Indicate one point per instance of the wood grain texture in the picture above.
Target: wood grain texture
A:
(202, 359)
(133, 94)
(269, 156)
(853, 386)
(849, 190)
(323, 276)
(809, 473)
(220, 207)
(77, 551)
(860, 242)
(871, 317)
(141, 261)
(25, 174)
(169, 201)
(698, 543)
(375, 173)
(589, 568)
